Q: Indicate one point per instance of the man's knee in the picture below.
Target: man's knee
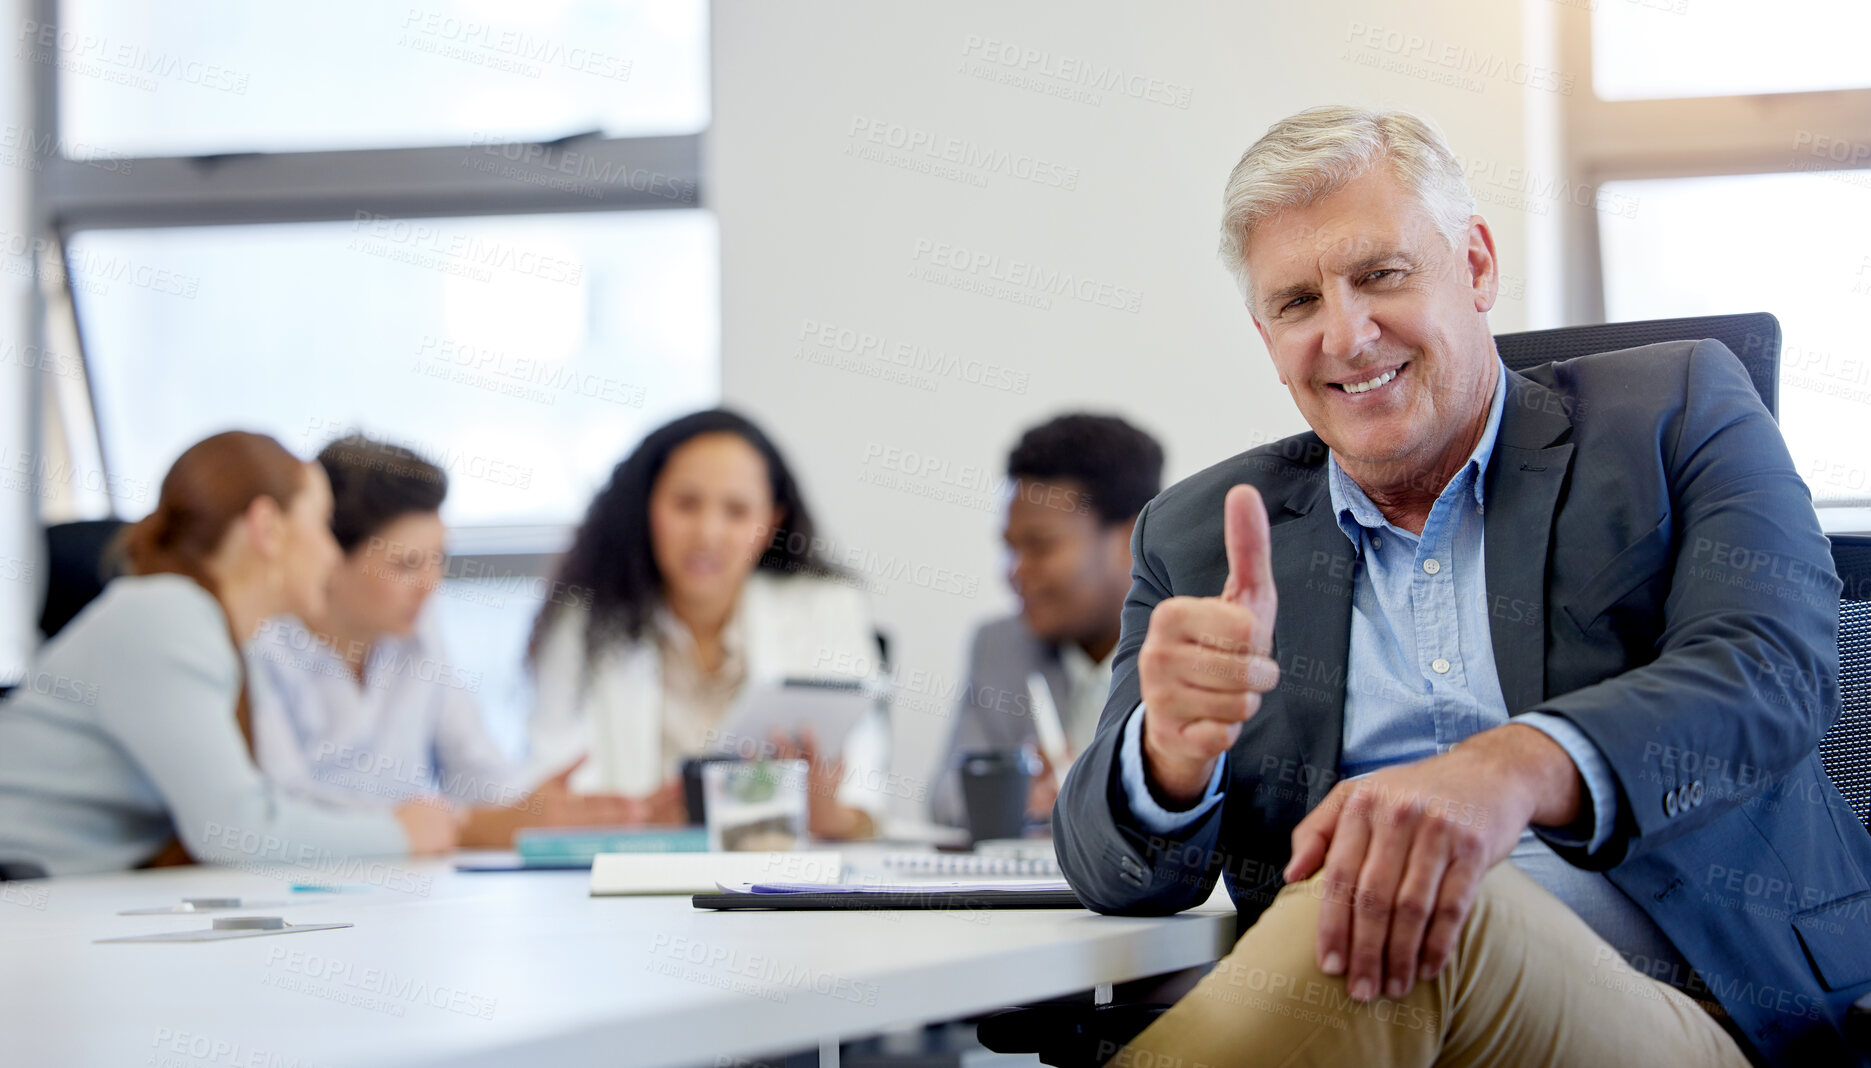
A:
(1283, 939)
(1273, 974)
(1287, 932)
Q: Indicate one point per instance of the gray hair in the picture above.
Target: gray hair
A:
(1307, 157)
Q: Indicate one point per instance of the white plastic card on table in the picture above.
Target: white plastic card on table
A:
(196, 905)
(232, 927)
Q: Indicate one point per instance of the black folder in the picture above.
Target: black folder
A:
(959, 900)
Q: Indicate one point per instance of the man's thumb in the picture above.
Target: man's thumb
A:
(1250, 547)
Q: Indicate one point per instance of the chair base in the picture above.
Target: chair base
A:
(1067, 1035)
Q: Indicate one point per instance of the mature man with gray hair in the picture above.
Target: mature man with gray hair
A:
(1474, 616)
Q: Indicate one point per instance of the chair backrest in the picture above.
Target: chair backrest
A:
(1846, 748)
(1753, 337)
(76, 569)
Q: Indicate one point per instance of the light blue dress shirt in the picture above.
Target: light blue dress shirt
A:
(1422, 678)
(411, 729)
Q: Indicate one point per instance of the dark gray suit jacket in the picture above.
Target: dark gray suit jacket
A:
(994, 712)
(1656, 576)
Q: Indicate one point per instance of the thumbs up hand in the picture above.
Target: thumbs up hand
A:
(1204, 661)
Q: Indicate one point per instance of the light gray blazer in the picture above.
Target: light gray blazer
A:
(123, 733)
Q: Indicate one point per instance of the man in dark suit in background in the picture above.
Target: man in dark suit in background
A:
(1077, 484)
(1582, 619)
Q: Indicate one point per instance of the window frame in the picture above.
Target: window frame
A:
(1683, 137)
(68, 195)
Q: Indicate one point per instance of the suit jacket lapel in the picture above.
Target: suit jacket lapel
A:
(1313, 572)
(1525, 476)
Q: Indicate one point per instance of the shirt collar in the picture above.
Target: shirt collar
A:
(1354, 508)
(1079, 664)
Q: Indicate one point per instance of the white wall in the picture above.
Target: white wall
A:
(813, 233)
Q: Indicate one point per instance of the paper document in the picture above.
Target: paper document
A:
(698, 873)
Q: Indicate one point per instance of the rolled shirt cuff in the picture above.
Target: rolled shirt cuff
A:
(1601, 791)
(1144, 807)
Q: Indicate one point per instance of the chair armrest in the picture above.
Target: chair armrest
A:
(1067, 1035)
(19, 869)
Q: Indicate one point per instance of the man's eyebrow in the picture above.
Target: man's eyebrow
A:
(1378, 259)
(1382, 258)
(1278, 298)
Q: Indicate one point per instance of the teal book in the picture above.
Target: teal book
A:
(575, 846)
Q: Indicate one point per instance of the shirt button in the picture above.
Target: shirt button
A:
(1432, 565)
(1376, 542)
(1439, 666)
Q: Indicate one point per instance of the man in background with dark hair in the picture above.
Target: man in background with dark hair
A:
(1077, 484)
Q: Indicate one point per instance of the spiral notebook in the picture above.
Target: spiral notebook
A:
(969, 864)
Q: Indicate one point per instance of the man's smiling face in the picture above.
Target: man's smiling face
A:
(1375, 324)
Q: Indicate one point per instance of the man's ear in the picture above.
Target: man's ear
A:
(1118, 545)
(1483, 269)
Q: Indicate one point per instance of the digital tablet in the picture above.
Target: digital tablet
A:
(829, 709)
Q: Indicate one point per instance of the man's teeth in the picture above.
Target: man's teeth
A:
(1364, 387)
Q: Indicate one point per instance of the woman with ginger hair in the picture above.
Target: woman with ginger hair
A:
(142, 754)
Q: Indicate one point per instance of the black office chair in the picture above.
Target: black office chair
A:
(11, 870)
(1846, 748)
(1076, 1033)
(77, 569)
(1754, 337)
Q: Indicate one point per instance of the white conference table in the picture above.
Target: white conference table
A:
(450, 968)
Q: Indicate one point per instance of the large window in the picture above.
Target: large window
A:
(214, 76)
(471, 227)
(524, 354)
(1765, 242)
(1670, 49)
(1730, 144)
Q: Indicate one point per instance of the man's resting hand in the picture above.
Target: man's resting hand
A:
(1404, 850)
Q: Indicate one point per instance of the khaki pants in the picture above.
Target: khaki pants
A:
(1528, 984)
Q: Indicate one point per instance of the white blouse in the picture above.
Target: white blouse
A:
(636, 731)
(411, 728)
